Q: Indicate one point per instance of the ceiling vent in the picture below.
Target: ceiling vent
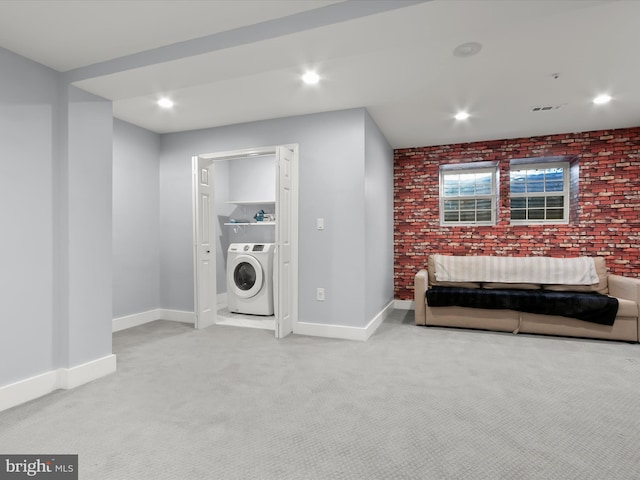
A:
(547, 108)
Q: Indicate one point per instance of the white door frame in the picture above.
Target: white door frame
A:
(293, 226)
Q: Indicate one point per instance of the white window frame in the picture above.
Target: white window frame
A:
(469, 168)
(566, 192)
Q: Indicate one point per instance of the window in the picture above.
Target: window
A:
(468, 194)
(539, 193)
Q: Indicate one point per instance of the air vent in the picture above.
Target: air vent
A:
(547, 108)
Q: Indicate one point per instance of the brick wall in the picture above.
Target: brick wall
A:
(608, 209)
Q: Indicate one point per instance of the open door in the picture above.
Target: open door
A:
(285, 281)
(204, 249)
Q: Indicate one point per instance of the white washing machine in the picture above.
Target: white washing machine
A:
(250, 278)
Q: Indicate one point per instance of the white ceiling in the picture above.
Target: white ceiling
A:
(226, 62)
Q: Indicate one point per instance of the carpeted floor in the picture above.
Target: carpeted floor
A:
(411, 403)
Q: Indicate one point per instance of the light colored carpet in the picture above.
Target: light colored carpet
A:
(411, 403)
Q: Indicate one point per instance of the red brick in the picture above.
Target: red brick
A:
(607, 220)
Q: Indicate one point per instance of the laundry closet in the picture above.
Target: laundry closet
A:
(245, 225)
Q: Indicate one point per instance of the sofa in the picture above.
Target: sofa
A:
(502, 278)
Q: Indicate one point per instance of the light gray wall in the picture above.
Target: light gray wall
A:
(252, 178)
(379, 219)
(89, 210)
(136, 217)
(28, 107)
(331, 186)
(55, 207)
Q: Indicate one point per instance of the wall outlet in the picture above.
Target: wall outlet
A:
(320, 294)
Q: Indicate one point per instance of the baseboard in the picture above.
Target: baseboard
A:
(73, 377)
(63, 378)
(178, 316)
(343, 332)
(404, 304)
(128, 321)
(378, 319)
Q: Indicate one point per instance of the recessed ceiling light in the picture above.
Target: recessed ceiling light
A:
(461, 115)
(311, 78)
(602, 99)
(467, 49)
(165, 103)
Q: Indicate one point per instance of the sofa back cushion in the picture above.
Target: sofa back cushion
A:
(601, 287)
(431, 270)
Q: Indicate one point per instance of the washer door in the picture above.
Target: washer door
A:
(246, 276)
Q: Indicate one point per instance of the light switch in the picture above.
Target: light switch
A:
(320, 223)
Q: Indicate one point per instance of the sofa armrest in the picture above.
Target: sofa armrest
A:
(624, 287)
(420, 285)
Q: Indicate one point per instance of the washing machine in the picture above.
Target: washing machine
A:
(250, 278)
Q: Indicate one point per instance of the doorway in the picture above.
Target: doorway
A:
(283, 223)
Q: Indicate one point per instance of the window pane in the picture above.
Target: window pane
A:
(555, 201)
(517, 188)
(451, 205)
(555, 186)
(450, 216)
(518, 176)
(484, 216)
(484, 204)
(468, 184)
(536, 202)
(535, 187)
(451, 185)
(555, 214)
(554, 174)
(517, 180)
(451, 178)
(537, 214)
(468, 205)
(467, 189)
(518, 214)
(467, 216)
(483, 189)
(450, 191)
(519, 202)
(535, 175)
(483, 183)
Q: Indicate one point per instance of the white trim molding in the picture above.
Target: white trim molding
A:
(178, 316)
(343, 332)
(63, 378)
(73, 377)
(128, 321)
